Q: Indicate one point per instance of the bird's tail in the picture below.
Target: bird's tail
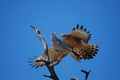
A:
(89, 51)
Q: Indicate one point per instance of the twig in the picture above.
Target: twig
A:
(86, 74)
(52, 71)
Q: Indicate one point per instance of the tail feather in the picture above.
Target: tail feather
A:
(90, 51)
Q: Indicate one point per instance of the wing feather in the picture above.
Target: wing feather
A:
(37, 61)
(82, 48)
(80, 33)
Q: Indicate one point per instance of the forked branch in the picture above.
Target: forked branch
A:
(86, 74)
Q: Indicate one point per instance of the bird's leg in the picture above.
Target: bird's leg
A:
(60, 57)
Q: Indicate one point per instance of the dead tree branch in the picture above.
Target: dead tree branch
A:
(47, 63)
(86, 74)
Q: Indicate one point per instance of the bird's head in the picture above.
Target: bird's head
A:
(36, 30)
(54, 34)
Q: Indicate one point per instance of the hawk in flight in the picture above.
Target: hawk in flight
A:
(75, 44)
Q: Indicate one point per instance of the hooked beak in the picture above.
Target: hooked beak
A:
(33, 27)
(36, 30)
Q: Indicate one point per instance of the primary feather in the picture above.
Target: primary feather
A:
(39, 61)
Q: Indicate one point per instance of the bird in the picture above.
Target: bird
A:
(62, 47)
(78, 39)
(76, 44)
(39, 61)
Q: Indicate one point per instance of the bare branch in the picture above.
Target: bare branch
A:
(86, 74)
(47, 76)
(74, 79)
(47, 63)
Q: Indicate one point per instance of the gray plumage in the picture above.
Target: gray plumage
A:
(59, 45)
(40, 60)
(62, 47)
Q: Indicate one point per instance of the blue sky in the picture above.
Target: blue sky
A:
(19, 42)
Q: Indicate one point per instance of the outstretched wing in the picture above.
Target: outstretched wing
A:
(79, 33)
(78, 40)
(39, 61)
